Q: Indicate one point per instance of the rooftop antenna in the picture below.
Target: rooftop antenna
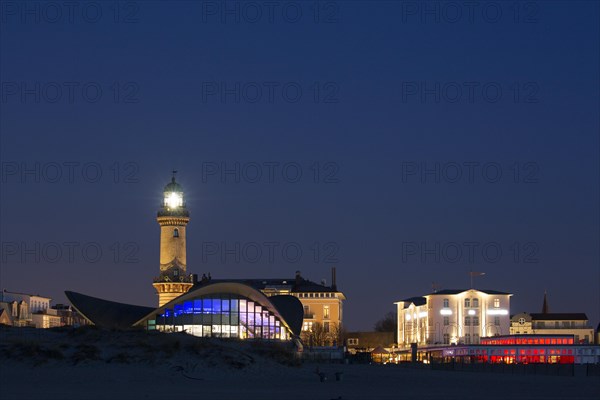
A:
(174, 172)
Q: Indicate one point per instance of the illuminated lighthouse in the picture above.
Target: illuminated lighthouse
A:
(173, 218)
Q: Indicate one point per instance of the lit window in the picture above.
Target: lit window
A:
(446, 303)
(326, 312)
(353, 342)
(467, 302)
(496, 303)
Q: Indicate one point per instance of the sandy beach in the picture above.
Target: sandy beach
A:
(95, 364)
(99, 381)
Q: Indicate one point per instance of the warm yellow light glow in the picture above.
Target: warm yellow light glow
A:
(173, 200)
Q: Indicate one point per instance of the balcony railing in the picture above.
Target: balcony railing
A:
(309, 315)
(175, 279)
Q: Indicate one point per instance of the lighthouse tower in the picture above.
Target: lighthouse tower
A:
(173, 218)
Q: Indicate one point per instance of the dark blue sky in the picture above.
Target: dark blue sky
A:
(359, 97)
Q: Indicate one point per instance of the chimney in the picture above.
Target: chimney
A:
(298, 278)
(333, 281)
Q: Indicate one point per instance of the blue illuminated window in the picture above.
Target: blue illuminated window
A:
(220, 315)
(207, 306)
(216, 306)
(178, 309)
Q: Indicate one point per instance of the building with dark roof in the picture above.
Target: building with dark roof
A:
(576, 324)
(105, 313)
(229, 310)
(452, 316)
(547, 323)
(368, 341)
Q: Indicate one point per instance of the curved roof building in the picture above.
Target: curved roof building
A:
(105, 313)
(226, 309)
(231, 310)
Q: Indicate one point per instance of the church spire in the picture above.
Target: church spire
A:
(545, 305)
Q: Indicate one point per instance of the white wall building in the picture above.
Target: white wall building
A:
(576, 324)
(24, 306)
(453, 316)
(35, 302)
(47, 319)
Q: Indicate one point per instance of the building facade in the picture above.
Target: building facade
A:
(452, 317)
(23, 306)
(323, 311)
(69, 316)
(576, 324)
(46, 319)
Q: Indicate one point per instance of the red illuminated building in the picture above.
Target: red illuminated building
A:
(513, 349)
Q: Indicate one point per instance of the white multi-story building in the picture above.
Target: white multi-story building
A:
(453, 316)
(35, 302)
(23, 306)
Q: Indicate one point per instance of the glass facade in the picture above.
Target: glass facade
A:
(221, 315)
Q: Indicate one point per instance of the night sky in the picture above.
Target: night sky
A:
(404, 143)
